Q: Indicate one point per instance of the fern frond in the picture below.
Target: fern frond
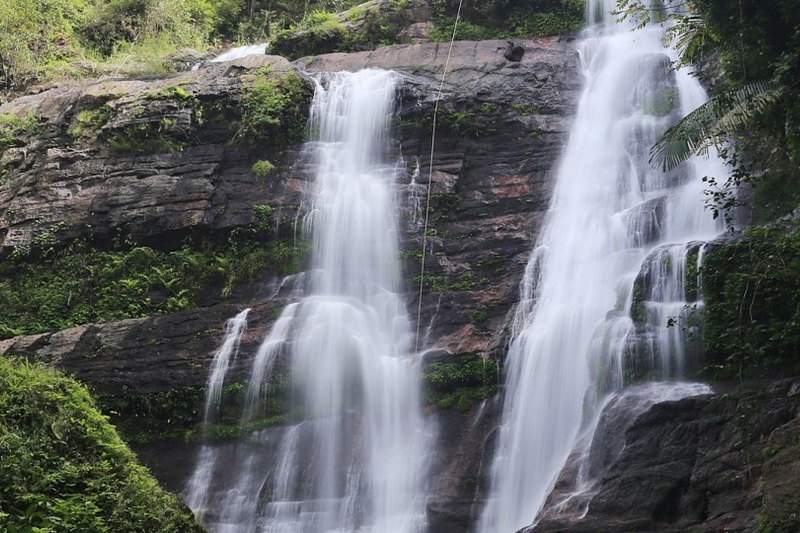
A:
(720, 118)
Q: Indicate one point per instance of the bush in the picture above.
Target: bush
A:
(65, 469)
(262, 169)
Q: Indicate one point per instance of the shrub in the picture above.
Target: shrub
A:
(262, 168)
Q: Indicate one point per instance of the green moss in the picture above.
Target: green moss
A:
(146, 138)
(480, 316)
(690, 276)
(662, 102)
(15, 130)
(89, 120)
(178, 412)
(475, 120)
(64, 467)
(172, 92)
(638, 311)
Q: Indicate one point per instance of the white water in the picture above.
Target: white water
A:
(197, 493)
(356, 461)
(610, 211)
(240, 51)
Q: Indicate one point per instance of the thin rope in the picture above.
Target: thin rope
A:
(430, 179)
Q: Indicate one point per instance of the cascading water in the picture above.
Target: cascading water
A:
(356, 460)
(608, 270)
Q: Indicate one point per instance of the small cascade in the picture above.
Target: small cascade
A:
(354, 457)
(609, 291)
(240, 51)
(197, 494)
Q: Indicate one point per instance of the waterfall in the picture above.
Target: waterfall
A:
(608, 270)
(197, 493)
(354, 458)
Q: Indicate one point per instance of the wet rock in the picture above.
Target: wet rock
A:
(514, 52)
(698, 464)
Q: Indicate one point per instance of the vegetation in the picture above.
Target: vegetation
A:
(752, 117)
(45, 39)
(178, 413)
(262, 168)
(358, 28)
(460, 384)
(273, 111)
(505, 19)
(750, 286)
(752, 295)
(64, 467)
(44, 288)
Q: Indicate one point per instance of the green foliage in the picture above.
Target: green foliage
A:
(89, 120)
(14, 129)
(318, 32)
(273, 111)
(752, 295)
(145, 138)
(713, 123)
(459, 384)
(474, 120)
(47, 289)
(109, 26)
(480, 316)
(36, 36)
(262, 168)
(65, 469)
(506, 19)
(753, 116)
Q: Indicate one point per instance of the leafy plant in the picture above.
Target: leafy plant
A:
(46, 288)
(273, 111)
(262, 168)
(459, 384)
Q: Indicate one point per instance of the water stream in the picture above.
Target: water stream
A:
(354, 460)
(608, 273)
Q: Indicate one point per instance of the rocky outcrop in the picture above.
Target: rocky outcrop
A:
(146, 158)
(707, 463)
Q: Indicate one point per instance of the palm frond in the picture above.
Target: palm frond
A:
(720, 118)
